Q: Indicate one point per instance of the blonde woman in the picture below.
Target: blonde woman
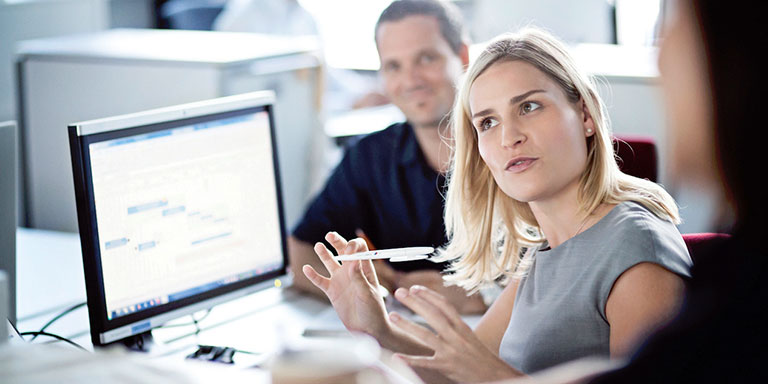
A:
(533, 174)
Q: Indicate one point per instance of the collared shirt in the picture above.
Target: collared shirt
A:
(385, 187)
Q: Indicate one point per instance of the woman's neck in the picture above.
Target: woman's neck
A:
(561, 218)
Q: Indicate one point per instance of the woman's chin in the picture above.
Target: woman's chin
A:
(520, 196)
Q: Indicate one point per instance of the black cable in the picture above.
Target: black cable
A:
(54, 336)
(60, 315)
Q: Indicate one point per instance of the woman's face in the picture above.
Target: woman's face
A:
(529, 135)
(682, 63)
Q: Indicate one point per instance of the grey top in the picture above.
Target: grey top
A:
(559, 311)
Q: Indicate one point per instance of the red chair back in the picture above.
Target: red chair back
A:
(697, 243)
(637, 156)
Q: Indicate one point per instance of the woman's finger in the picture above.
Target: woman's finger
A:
(440, 301)
(357, 275)
(369, 272)
(337, 242)
(421, 333)
(355, 245)
(318, 280)
(433, 314)
(427, 362)
(326, 257)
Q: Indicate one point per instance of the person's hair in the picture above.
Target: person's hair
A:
(489, 231)
(732, 39)
(448, 17)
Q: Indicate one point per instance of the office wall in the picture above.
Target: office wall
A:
(40, 18)
(22, 20)
(31, 19)
(131, 13)
(583, 21)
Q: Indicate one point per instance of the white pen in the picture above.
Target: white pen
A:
(394, 255)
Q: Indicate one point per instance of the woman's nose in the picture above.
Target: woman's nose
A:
(511, 136)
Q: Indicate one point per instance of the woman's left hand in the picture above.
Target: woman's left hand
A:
(459, 354)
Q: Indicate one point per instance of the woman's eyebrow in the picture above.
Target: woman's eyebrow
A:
(484, 112)
(523, 96)
(512, 101)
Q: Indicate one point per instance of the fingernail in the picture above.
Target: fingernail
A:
(401, 293)
(394, 316)
(415, 289)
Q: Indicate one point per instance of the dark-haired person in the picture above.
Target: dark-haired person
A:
(390, 184)
(715, 93)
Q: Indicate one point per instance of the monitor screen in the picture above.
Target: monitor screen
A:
(179, 209)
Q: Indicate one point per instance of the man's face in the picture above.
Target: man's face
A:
(419, 68)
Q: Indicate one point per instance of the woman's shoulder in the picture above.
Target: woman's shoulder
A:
(637, 231)
(633, 216)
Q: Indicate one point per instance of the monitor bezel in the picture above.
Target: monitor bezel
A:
(103, 330)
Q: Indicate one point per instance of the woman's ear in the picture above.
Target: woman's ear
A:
(589, 124)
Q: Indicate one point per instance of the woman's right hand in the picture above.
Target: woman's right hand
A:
(352, 287)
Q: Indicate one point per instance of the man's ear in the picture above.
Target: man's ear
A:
(464, 55)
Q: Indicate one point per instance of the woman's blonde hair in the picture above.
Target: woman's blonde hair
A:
(489, 231)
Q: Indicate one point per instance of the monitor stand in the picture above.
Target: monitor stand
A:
(142, 342)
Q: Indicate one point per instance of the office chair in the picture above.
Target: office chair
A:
(636, 156)
(191, 14)
(697, 243)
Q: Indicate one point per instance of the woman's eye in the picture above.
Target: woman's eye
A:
(528, 107)
(488, 123)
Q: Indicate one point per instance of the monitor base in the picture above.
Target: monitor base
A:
(142, 342)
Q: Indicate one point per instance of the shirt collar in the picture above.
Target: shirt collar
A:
(411, 152)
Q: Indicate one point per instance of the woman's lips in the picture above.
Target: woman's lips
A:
(520, 164)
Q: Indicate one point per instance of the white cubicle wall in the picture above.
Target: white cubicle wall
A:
(75, 78)
(8, 181)
(23, 20)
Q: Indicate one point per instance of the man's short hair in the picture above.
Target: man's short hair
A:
(447, 14)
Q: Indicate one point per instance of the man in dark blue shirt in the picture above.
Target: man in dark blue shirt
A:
(390, 184)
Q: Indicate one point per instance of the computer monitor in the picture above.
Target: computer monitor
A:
(179, 209)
